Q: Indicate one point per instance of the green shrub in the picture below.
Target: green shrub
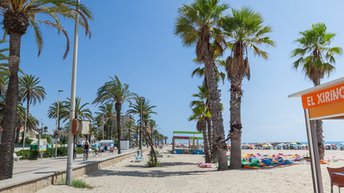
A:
(81, 184)
(28, 141)
(153, 162)
(25, 153)
(34, 154)
(62, 151)
(79, 150)
(49, 153)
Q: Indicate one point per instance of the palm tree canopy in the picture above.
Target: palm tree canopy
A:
(20, 14)
(245, 31)
(113, 91)
(30, 90)
(200, 109)
(139, 104)
(81, 110)
(197, 24)
(52, 111)
(107, 111)
(32, 122)
(314, 54)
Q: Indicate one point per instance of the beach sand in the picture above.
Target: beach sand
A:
(180, 174)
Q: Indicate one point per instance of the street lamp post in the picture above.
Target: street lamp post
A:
(141, 114)
(57, 120)
(69, 171)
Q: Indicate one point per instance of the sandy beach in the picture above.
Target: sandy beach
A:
(179, 173)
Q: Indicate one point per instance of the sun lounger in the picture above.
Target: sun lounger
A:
(16, 158)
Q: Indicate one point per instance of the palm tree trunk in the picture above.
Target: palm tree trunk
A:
(216, 112)
(210, 133)
(118, 116)
(235, 124)
(149, 141)
(26, 117)
(319, 130)
(137, 135)
(10, 110)
(206, 146)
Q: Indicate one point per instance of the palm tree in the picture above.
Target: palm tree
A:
(203, 93)
(316, 58)
(18, 16)
(131, 127)
(201, 114)
(57, 107)
(245, 32)
(81, 110)
(23, 118)
(142, 107)
(197, 24)
(30, 92)
(115, 92)
(107, 112)
(153, 130)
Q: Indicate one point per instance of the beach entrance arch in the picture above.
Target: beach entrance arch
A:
(322, 102)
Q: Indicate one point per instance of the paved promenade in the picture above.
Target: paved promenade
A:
(27, 170)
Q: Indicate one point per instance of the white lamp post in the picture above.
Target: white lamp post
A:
(72, 103)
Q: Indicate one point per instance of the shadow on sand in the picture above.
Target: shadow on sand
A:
(152, 173)
(164, 164)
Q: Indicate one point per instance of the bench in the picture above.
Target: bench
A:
(16, 158)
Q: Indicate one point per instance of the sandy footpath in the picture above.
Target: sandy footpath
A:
(180, 174)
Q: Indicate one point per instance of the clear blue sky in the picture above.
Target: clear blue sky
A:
(134, 39)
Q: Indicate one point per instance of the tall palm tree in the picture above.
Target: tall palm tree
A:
(246, 32)
(57, 107)
(116, 92)
(107, 111)
(131, 127)
(153, 130)
(31, 92)
(198, 24)
(316, 58)
(18, 16)
(199, 71)
(201, 113)
(142, 107)
(23, 118)
(203, 98)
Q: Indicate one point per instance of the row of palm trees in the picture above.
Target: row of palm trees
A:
(18, 16)
(30, 93)
(204, 25)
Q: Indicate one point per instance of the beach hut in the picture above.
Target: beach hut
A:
(193, 145)
(322, 102)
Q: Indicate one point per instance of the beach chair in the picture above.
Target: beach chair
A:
(16, 158)
(138, 157)
(336, 177)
